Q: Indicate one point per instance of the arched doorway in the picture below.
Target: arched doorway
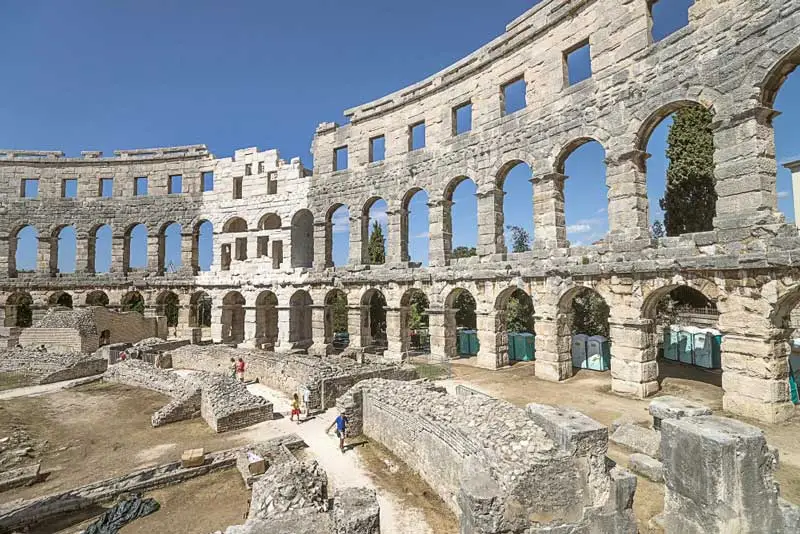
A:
(337, 236)
(583, 332)
(336, 327)
(169, 248)
(134, 253)
(100, 249)
(267, 320)
(414, 322)
(300, 335)
(415, 227)
(515, 189)
(200, 310)
(168, 304)
(514, 326)
(303, 239)
(373, 321)
(19, 310)
(233, 318)
(60, 299)
(202, 246)
(97, 298)
(460, 226)
(582, 167)
(23, 250)
(461, 323)
(132, 302)
(374, 232)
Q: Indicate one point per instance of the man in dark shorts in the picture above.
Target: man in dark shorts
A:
(341, 429)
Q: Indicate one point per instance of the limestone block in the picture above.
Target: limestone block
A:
(757, 410)
(648, 467)
(356, 511)
(571, 430)
(668, 407)
(761, 390)
(638, 389)
(639, 439)
(193, 458)
(632, 371)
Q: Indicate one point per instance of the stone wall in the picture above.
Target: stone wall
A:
(49, 367)
(499, 468)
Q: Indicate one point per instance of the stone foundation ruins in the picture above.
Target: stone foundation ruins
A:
(223, 402)
(49, 367)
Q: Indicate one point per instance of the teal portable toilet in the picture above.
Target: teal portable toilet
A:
(463, 343)
(527, 347)
(468, 343)
(598, 354)
(579, 350)
(513, 349)
(474, 344)
(716, 348)
(794, 372)
(703, 342)
(686, 345)
(671, 343)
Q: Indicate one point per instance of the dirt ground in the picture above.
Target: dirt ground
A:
(15, 380)
(590, 393)
(100, 431)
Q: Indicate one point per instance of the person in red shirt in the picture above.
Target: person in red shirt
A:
(240, 369)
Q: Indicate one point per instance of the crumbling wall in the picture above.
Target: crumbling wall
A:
(49, 367)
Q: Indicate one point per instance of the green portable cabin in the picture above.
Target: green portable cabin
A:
(521, 347)
(468, 343)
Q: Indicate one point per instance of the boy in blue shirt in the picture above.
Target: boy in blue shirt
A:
(341, 429)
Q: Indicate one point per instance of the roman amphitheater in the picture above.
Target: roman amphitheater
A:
(272, 281)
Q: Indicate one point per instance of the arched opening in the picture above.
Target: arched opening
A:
(373, 321)
(514, 324)
(583, 330)
(585, 193)
(686, 331)
(237, 249)
(516, 216)
(200, 310)
(23, 251)
(785, 124)
(63, 250)
(134, 254)
(786, 342)
(267, 320)
(97, 298)
(100, 249)
(132, 302)
(202, 246)
(169, 248)
(271, 221)
(300, 335)
(415, 227)
(19, 310)
(60, 299)
(461, 220)
(336, 328)
(235, 225)
(460, 324)
(168, 305)
(374, 232)
(414, 322)
(679, 161)
(233, 318)
(303, 239)
(105, 338)
(337, 236)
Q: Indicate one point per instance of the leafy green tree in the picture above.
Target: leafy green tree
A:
(204, 313)
(134, 304)
(690, 200)
(465, 311)
(464, 252)
(519, 313)
(339, 313)
(417, 316)
(657, 230)
(376, 248)
(520, 239)
(172, 309)
(377, 317)
(590, 315)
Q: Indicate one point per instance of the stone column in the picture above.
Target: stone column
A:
(396, 334)
(354, 326)
(490, 222)
(43, 259)
(323, 255)
(82, 256)
(250, 327)
(358, 246)
(397, 242)
(626, 177)
(120, 253)
(440, 243)
(5, 258)
(284, 343)
(187, 253)
(216, 323)
(634, 369)
(746, 169)
(440, 322)
(553, 363)
(493, 352)
(549, 226)
(155, 245)
(320, 347)
(184, 330)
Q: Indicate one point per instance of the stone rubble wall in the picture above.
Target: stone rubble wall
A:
(494, 464)
(50, 367)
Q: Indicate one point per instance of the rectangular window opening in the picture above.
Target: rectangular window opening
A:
(140, 186)
(578, 63)
(208, 181)
(175, 185)
(226, 257)
(30, 188)
(514, 96)
(263, 246)
(106, 187)
(272, 183)
(667, 17)
(260, 167)
(241, 248)
(416, 136)
(340, 159)
(248, 169)
(462, 118)
(277, 254)
(69, 188)
(377, 148)
(237, 187)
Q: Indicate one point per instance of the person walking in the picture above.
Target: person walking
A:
(240, 369)
(233, 367)
(341, 429)
(295, 408)
(306, 401)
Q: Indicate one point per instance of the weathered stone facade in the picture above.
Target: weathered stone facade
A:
(273, 275)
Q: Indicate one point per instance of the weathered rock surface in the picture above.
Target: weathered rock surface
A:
(638, 439)
(648, 467)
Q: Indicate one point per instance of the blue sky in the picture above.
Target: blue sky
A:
(98, 75)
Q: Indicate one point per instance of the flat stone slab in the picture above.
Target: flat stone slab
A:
(638, 439)
(21, 476)
(669, 407)
(647, 466)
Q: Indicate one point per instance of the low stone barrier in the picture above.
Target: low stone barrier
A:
(49, 367)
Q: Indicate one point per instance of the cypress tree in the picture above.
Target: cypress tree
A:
(376, 251)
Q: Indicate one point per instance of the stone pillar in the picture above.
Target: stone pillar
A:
(284, 343)
(216, 324)
(43, 259)
(440, 243)
(250, 327)
(634, 369)
(549, 226)
(187, 253)
(320, 346)
(323, 241)
(396, 334)
(155, 245)
(397, 242)
(628, 208)
(5, 258)
(120, 253)
(355, 325)
(184, 314)
(491, 239)
(493, 352)
(82, 256)
(358, 246)
(440, 323)
(746, 169)
(553, 363)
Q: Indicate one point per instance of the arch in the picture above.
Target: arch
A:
(168, 305)
(373, 320)
(414, 321)
(415, 226)
(657, 117)
(100, 248)
(200, 304)
(233, 317)
(234, 225)
(776, 76)
(300, 335)
(271, 221)
(708, 289)
(303, 239)
(513, 315)
(19, 310)
(582, 162)
(97, 298)
(266, 320)
(459, 315)
(374, 218)
(63, 250)
(202, 246)
(133, 301)
(465, 209)
(336, 324)
(61, 299)
(560, 160)
(337, 235)
(514, 207)
(23, 250)
(134, 253)
(582, 310)
(169, 248)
